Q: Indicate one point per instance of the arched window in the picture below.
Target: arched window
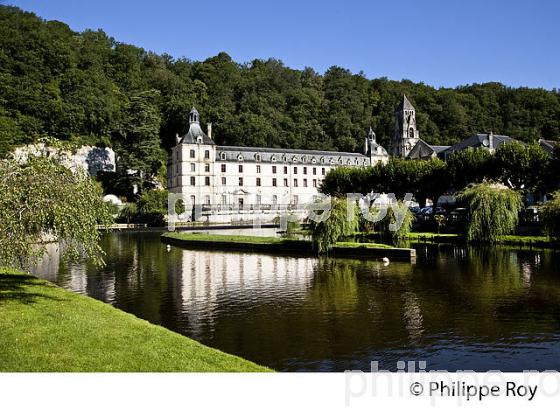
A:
(223, 156)
(411, 132)
(258, 157)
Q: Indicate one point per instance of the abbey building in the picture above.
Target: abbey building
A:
(233, 179)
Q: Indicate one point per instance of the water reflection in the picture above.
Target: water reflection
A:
(457, 308)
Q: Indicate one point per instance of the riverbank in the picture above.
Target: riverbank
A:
(45, 328)
(284, 246)
(510, 240)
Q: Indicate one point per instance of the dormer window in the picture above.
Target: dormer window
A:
(258, 157)
(340, 161)
(314, 160)
(199, 140)
(284, 158)
(304, 159)
(240, 157)
(294, 159)
(223, 156)
(273, 158)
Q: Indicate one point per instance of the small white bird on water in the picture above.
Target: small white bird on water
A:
(385, 261)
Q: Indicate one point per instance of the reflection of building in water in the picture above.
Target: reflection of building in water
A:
(247, 280)
(412, 316)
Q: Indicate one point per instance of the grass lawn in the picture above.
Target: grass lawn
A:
(46, 328)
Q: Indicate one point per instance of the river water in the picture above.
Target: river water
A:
(457, 308)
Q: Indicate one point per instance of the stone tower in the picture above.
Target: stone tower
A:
(406, 135)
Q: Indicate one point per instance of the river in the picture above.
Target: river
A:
(457, 308)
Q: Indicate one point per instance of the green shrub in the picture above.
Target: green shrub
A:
(383, 227)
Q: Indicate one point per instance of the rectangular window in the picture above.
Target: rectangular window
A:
(240, 168)
(274, 169)
(240, 181)
(285, 181)
(323, 171)
(206, 154)
(305, 183)
(193, 181)
(314, 183)
(295, 170)
(191, 154)
(258, 182)
(223, 180)
(285, 170)
(207, 181)
(207, 199)
(193, 167)
(295, 183)
(314, 171)
(223, 167)
(206, 167)
(258, 169)
(273, 181)
(305, 170)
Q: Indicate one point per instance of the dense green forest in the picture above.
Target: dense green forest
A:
(89, 88)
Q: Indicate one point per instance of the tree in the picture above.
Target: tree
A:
(493, 210)
(522, 167)
(328, 232)
(551, 215)
(41, 201)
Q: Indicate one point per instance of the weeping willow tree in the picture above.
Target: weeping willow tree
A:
(493, 210)
(40, 201)
(338, 225)
(391, 228)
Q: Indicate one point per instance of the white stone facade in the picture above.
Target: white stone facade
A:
(245, 179)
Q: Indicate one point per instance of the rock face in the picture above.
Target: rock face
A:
(90, 159)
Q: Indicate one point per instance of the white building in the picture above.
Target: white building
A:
(228, 180)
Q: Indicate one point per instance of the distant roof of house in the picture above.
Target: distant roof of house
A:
(405, 104)
(480, 140)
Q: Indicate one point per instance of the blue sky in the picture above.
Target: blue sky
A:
(441, 43)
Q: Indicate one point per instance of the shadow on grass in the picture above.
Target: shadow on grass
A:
(21, 288)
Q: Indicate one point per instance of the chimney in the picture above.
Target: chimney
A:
(491, 140)
(177, 139)
(210, 130)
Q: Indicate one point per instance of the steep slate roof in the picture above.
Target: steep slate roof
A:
(478, 140)
(421, 150)
(440, 148)
(248, 154)
(191, 137)
(405, 104)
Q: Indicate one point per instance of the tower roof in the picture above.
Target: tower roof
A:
(195, 132)
(405, 104)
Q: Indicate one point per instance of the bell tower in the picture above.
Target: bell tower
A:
(406, 135)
